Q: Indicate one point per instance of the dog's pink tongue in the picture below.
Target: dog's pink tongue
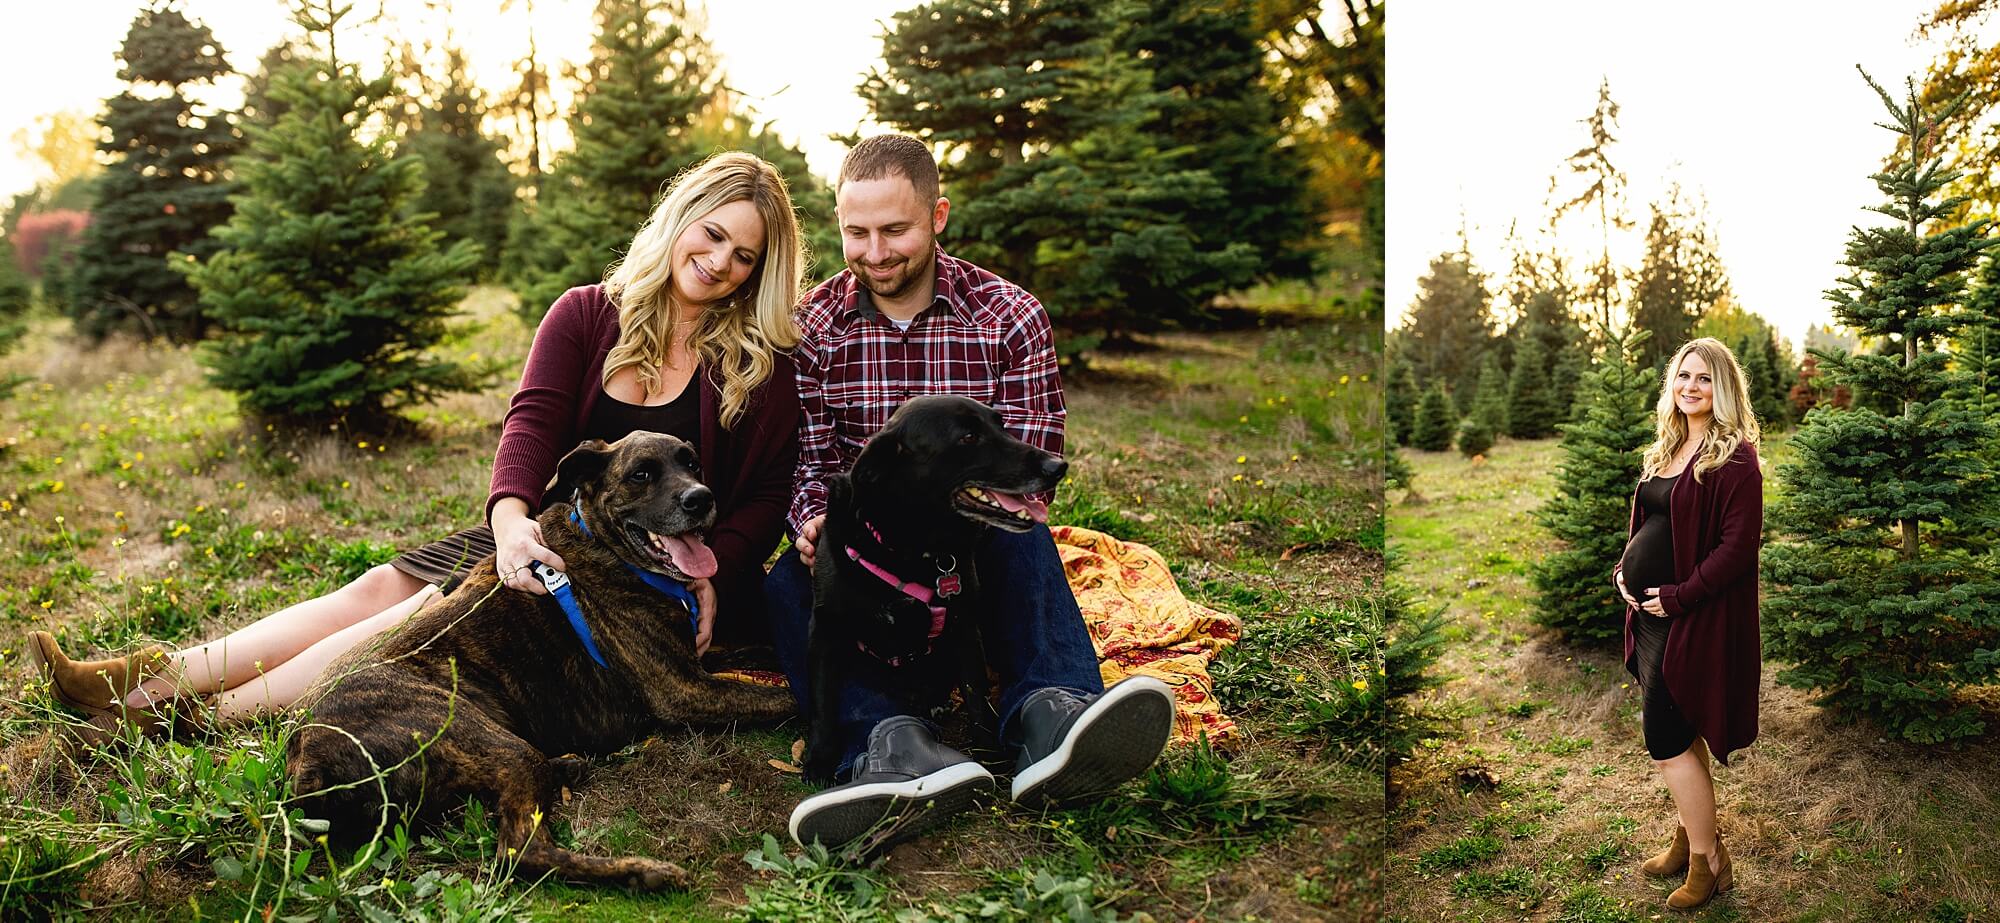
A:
(1014, 503)
(690, 556)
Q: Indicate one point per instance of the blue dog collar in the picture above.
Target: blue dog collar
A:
(558, 586)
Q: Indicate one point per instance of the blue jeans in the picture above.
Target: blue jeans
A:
(1033, 635)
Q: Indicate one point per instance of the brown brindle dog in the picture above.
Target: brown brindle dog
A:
(473, 696)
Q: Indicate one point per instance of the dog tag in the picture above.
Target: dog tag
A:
(947, 585)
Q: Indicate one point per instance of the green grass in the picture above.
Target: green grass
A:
(138, 506)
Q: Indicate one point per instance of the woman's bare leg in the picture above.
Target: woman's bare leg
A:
(269, 642)
(277, 688)
(1693, 788)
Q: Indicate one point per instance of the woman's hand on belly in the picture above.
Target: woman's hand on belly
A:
(1652, 603)
(1618, 578)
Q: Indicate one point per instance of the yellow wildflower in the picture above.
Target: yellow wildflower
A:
(1361, 685)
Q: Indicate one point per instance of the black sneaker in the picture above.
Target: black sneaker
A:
(1076, 746)
(906, 778)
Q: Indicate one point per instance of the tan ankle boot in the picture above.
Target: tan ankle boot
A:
(1673, 859)
(1707, 877)
(98, 687)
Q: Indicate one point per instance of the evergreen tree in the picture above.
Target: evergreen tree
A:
(1566, 383)
(1591, 510)
(1883, 591)
(1435, 421)
(327, 297)
(1680, 278)
(15, 298)
(1534, 407)
(258, 106)
(1474, 436)
(1489, 400)
(1766, 400)
(1446, 331)
(1977, 347)
(1604, 187)
(1400, 398)
(166, 189)
(468, 192)
(649, 76)
(1064, 180)
(1209, 67)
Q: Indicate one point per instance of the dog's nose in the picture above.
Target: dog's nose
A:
(1054, 468)
(697, 499)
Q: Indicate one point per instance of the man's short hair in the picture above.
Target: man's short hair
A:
(882, 155)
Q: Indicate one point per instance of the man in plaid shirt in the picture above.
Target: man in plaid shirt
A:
(906, 319)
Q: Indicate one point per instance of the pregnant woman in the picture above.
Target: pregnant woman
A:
(1689, 581)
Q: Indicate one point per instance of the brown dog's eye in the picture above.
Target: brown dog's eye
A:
(640, 476)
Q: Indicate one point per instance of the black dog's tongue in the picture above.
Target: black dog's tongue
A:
(691, 556)
(1014, 503)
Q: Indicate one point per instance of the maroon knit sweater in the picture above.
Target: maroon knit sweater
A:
(749, 467)
(1713, 655)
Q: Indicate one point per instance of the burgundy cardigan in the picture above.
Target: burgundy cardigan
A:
(1713, 656)
(749, 467)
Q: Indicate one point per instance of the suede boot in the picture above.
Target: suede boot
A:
(1671, 861)
(98, 687)
(1705, 879)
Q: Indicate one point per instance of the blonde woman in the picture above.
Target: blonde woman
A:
(686, 335)
(1689, 580)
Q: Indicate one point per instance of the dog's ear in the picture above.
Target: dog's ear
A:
(581, 466)
(877, 460)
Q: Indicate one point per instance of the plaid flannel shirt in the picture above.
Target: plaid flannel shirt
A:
(982, 337)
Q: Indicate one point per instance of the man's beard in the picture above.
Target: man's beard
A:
(900, 284)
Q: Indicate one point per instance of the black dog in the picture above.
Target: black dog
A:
(473, 696)
(894, 586)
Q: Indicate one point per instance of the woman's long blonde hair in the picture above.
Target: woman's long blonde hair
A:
(737, 339)
(1731, 420)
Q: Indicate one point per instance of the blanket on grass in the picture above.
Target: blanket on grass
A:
(1141, 625)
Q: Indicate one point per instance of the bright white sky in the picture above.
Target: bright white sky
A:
(796, 61)
(1755, 105)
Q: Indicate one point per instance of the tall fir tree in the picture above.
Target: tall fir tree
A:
(1590, 512)
(469, 193)
(1680, 278)
(1400, 401)
(1061, 176)
(1210, 69)
(1436, 421)
(1534, 407)
(649, 76)
(1604, 190)
(327, 298)
(1447, 329)
(1489, 399)
(169, 183)
(1883, 591)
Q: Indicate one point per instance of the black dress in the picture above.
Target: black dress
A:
(1649, 562)
(447, 561)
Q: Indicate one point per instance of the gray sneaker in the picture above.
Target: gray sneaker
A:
(1075, 746)
(905, 784)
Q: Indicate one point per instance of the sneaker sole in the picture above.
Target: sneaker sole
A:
(1115, 739)
(840, 816)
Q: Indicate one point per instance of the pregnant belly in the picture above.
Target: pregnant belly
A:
(1647, 563)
